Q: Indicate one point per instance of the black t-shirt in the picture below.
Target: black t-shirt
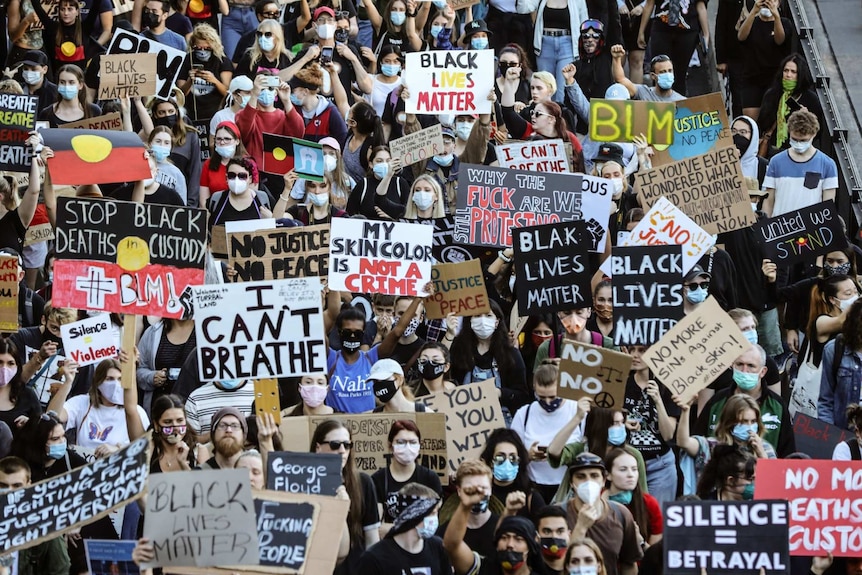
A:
(27, 404)
(245, 68)
(386, 487)
(163, 195)
(370, 517)
(404, 352)
(648, 440)
(388, 558)
(12, 231)
(207, 100)
(48, 115)
(480, 540)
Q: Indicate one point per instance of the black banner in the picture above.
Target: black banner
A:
(18, 114)
(801, 235)
(312, 473)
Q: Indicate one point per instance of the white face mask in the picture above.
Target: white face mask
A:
(589, 492)
(846, 303)
(619, 186)
(326, 31)
(765, 13)
(330, 163)
(423, 199)
(237, 186)
(405, 454)
(800, 147)
(483, 326)
(112, 390)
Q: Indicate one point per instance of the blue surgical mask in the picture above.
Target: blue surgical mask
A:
(266, 44)
(444, 160)
(665, 80)
(741, 431)
(617, 434)
(318, 200)
(226, 151)
(266, 97)
(800, 147)
(398, 18)
(624, 497)
(479, 43)
(746, 381)
(390, 69)
(696, 296)
(243, 102)
(423, 199)
(428, 528)
(68, 91)
(750, 335)
(506, 471)
(295, 100)
(160, 152)
(381, 169)
(435, 31)
(463, 129)
(230, 384)
(440, 4)
(57, 450)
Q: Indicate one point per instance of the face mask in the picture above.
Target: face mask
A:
(696, 296)
(619, 186)
(68, 92)
(428, 528)
(160, 152)
(479, 43)
(149, 182)
(266, 44)
(751, 335)
(325, 31)
(405, 454)
(202, 55)
(741, 143)
(624, 497)
(57, 450)
(589, 492)
(295, 99)
(149, 20)
(175, 438)
(267, 98)
(341, 36)
(411, 327)
(551, 406)
(843, 269)
(444, 161)
(423, 200)
(510, 560)
(385, 389)
(800, 147)
(463, 129)
(390, 70)
(753, 206)
(243, 101)
(237, 186)
(746, 381)
(431, 371)
(112, 390)
(748, 492)
(440, 4)
(539, 339)
(167, 121)
(506, 471)
(584, 570)
(665, 80)
(789, 85)
(7, 374)
(50, 277)
(765, 13)
(319, 200)
(230, 384)
(617, 434)
(329, 164)
(226, 151)
(741, 431)
(846, 303)
(435, 31)
(398, 18)
(380, 169)
(313, 395)
(32, 77)
(553, 548)
(351, 342)
(481, 507)
(483, 326)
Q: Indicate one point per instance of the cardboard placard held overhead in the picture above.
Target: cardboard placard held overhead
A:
(622, 120)
(535, 156)
(9, 286)
(472, 412)
(111, 121)
(459, 289)
(19, 119)
(726, 537)
(595, 372)
(127, 76)
(38, 233)
(449, 82)
(309, 473)
(266, 399)
(816, 437)
(697, 350)
(824, 499)
(700, 126)
(648, 292)
(710, 189)
(418, 146)
(279, 253)
(169, 63)
(95, 156)
(802, 235)
(90, 340)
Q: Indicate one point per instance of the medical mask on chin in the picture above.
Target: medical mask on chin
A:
(112, 390)
(624, 497)
(313, 395)
(237, 186)
(329, 164)
(744, 380)
(319, 200)
(428, 528)
(423, 200)
(589, 492)
(800, 147)
(665, 80)
(326, 31)
(483, 327)
(846, 303)
(696, 296)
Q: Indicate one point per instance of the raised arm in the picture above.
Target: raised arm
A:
(558, 443)
(460, 554)
(619, 54)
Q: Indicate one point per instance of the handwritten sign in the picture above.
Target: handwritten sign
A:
(459, 289)
(710, 189)
(700, 126)
(418, 146)
(90, 340)
(392, 258)
(536, 156)
(38, 233)
(449, 82)
(169, 61)
(310, 473)
(816, 437)
(19, 119)
(9, 286)
(801, 235)
(127, 76)
(103, 555)
(110, 121)
(697, 350)
(594, 372)
(258, 330)
(622, 120)
(279, 253)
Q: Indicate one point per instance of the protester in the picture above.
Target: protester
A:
(229, 432)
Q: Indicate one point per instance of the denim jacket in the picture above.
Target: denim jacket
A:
(836, 393)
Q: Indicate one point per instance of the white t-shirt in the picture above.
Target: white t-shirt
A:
(542, 427)
(101, 424)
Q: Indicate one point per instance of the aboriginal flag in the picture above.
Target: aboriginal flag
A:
(277, 154)
(95, 156)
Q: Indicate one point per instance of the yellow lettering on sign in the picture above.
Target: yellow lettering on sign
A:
(604, 122)
(657, 122)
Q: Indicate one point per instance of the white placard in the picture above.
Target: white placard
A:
(534, 156)
(90, 340)
(449, 82)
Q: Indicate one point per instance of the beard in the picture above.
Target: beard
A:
(228, 447)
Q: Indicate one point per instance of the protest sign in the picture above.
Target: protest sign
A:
(446, 250)
(697, 350)
(726, 537)
(258, 330)
(472, 412)
(418, 146)
(122, 6)
(128, 258)
(38, 233)
(369, 433)
(824, 502)
(597, 194)
(700, 126)
(802, 235)
(710, 189)
(9, 286)
(127, 76)
(459, 289)
(622, 120)
(648, 292)
(449, 81)
(551, 268)
(665, 224)
(534, 156)
(280, 253)
(816, 437)
(201, 519)
(19, 119)
(95, 156)
(266, 399)
(392, 258)
(459, 4)
(90, 340)
(65, 503)
(218, 242)
(492, 201)
(169, 61)
(110, 121)
(594, 372)
(107, 557)
(309, 473)
(203, 129)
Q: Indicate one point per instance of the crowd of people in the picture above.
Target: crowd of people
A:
(566, 486)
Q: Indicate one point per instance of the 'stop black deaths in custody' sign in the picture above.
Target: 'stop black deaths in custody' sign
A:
(801, 235)
(313, 473)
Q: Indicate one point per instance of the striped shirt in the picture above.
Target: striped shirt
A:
(206, 400)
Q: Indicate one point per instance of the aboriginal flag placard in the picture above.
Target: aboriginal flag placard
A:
(95, 156)
(282, 154)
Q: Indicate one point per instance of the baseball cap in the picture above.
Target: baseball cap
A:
(323, 10)
(587, 460)
(695, 273)
(385, 369)
(35, 58)
(240, 83)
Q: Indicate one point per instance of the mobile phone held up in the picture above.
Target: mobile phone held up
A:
(326, 55)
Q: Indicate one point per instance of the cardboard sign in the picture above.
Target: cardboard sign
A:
(128, 258)
(280, 253)
(590, 371)
(127, 76)
(537, 156)
(449, 82)
(258, 330)
(460, 4)
(459, 289)
(9, 286)
(700, 126)
(665, 224)
(95, 156)
(107, 557)
(370, 436)
(309, 473)
(816, 437)
(622, 120)
(697, 350)
(90, 340)
(169, 60)
(596, 198)
(392, 258)
(648, 292)
(36, 234)
(472, 412)
(65, 503)
(726, 537)
(218, 242)
(801, 235)
(710, 189)
(18, 113)
(492, 201)
(418, 146)
(111, 121)
(823, 497)
(122, 6)
(201, 519)
(203, 128)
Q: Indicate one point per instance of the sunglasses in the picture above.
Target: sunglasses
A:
(270, 15)
(169, 430)
(501, 459)
(204, 49)
(336, 445)
(535, 113)
(695, 285)
(260, 34)
(342, 15)
(509, 65)
(234, 175)
(591, 36)
(591, 24)
(351, 332)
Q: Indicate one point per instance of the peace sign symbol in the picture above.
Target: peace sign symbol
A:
(604, 399)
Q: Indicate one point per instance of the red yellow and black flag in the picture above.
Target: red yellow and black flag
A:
(277, 154)
(95, 156)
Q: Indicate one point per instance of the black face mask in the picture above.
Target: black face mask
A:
(385, 389)
(741, 143)
(480, 507)
(510, 560)
(167, 121)
(350, 340)
(431, 371)
(149, 20)
(341, 36)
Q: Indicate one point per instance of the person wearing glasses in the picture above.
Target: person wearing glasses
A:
(269, 53)
(594, 64)
(229, 430)
(661, 71)
(263, 10)
(696, 286)
(506, 455)
(243, 200)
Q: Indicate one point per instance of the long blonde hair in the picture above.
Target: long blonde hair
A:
(268, 25)
(208, 34)
(412, 213)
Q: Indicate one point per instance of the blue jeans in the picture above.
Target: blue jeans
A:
(556, 54)
(238, 22)
(661, 477)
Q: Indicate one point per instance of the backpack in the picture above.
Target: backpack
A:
(855, 452)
